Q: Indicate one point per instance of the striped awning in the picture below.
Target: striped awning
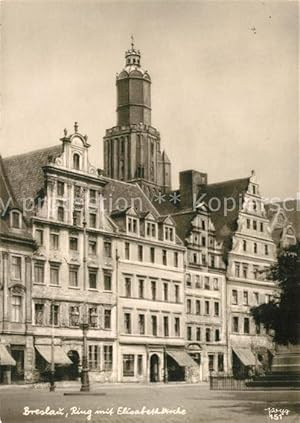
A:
(246, 356)
(60, 357)
(5, 357)
(182, 358)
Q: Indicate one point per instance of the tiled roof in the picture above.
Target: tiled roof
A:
(183, 224)
(225, 222)
(25, 172)
(165, 206)
(9, 202)
(121, 195)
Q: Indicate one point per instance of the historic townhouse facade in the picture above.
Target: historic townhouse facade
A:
(205, 295)
(151, 315)
(73, 268)
(16, 248)
(205, 284)
(249, 252)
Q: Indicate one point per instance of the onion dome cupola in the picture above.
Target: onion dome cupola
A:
(133, 91)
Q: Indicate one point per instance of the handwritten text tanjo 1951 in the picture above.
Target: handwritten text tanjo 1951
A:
(277, 413)
(89, 413)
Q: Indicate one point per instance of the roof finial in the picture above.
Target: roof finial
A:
(76, 126)
(132, 42)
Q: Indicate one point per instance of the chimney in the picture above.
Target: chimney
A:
(190, 182)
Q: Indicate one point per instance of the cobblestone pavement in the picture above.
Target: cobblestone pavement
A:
(199, 404)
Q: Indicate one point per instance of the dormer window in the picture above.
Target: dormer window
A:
(76, 161)
(151, 229)
(169, 233)
(15, 219)
(132, 225)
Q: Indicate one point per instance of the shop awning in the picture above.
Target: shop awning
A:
(60, 357)
(246, 356)
(5, 358)
(182, 358)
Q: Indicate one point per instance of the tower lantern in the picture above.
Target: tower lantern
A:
(133, 91)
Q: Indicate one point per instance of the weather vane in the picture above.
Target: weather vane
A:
(132, 42)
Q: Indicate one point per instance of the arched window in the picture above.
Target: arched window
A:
(76, 161)
(15, 219)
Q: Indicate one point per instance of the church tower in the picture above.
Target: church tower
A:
(132, 148)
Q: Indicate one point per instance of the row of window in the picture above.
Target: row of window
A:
(241, 270)
(255, 247)
(151, 229)
(236, 297)
(153, 328)
(197, 334)
(78, 192)
(44, 316)
(242, 325)
(256, 226)
(92, 220)
(200, 240)
(93, 276)
(165, 255)
(154, 290)
(196, 309)
(205, 282)
(73, 242)
(200, 259)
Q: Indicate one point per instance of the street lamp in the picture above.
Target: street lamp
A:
(84, 326)
(85, 382)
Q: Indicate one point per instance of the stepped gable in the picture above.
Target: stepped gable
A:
(25, 171)
(225, 222)
(291, 209)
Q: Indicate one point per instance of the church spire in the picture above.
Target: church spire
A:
(132, 42)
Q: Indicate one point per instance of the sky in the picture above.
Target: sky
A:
(224, 80)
